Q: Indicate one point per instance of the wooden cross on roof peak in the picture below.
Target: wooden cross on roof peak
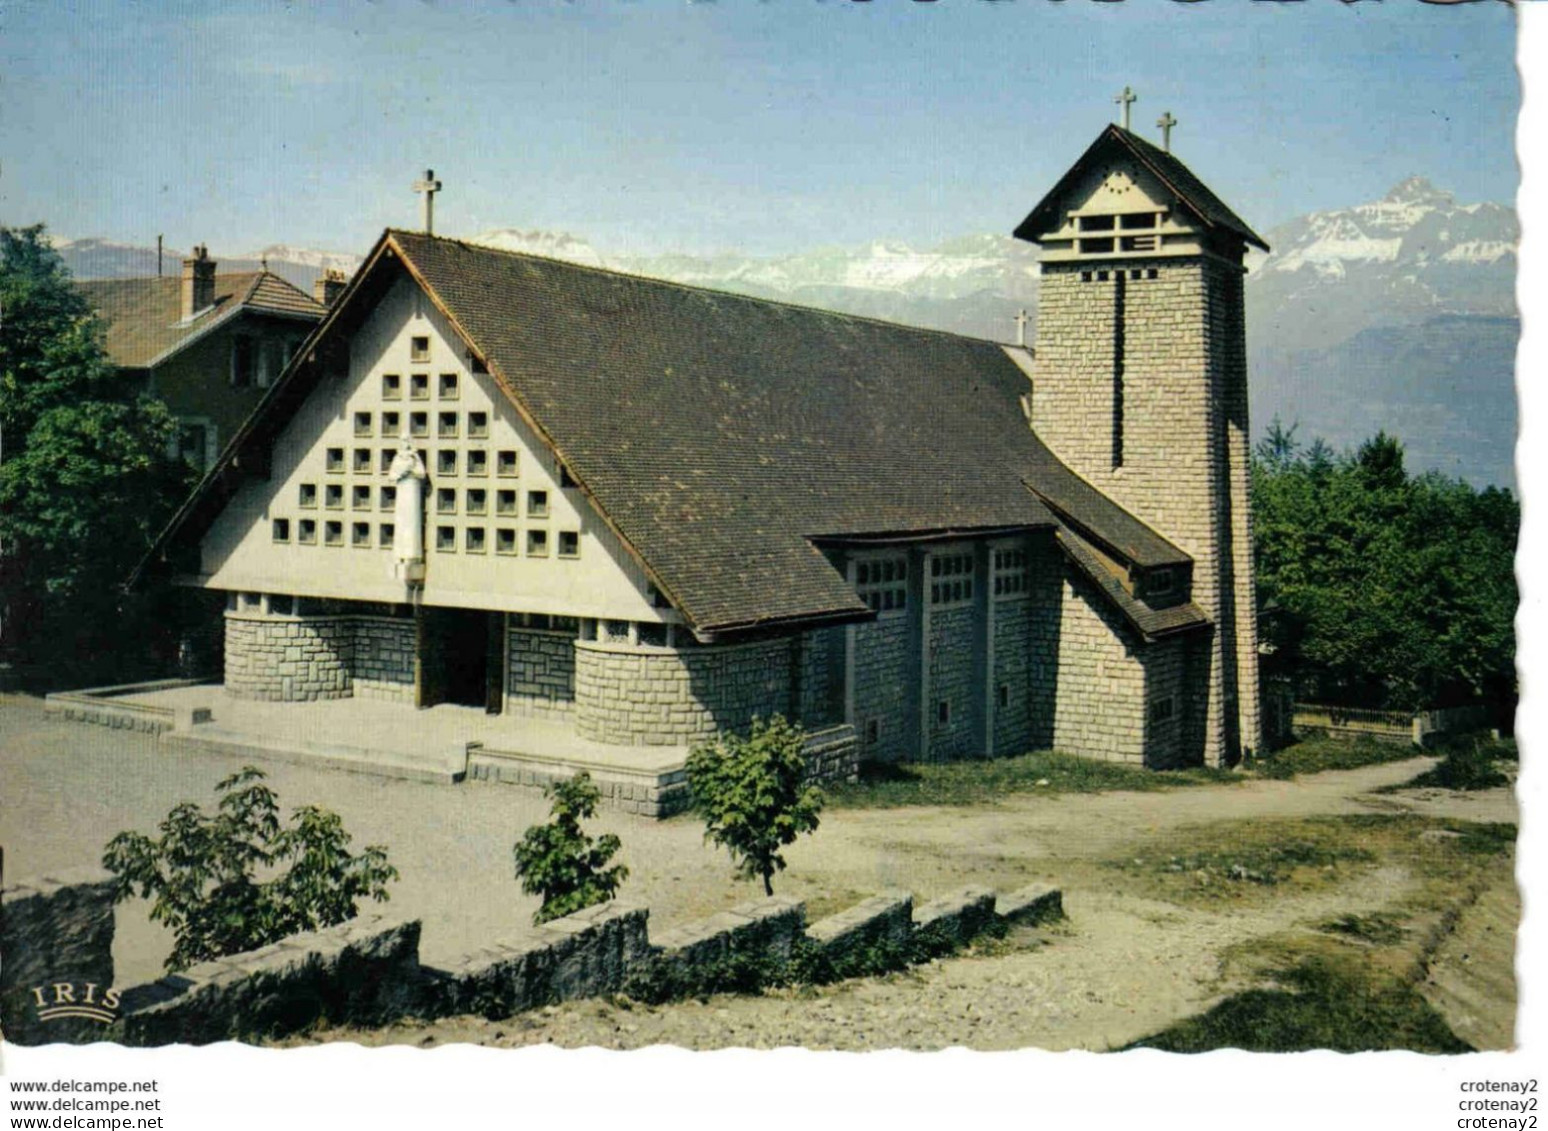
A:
(429, 186)
(1166, 122)
(1127, 99)
(1022, 318)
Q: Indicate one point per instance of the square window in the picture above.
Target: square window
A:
(505, 463)
(360, 497)
(308, 494)
(477, 501)
(419, 348)
(478, 462)
(446, 462)
(505, 540)
(362, 423)
(385, 463)
(446, 539)
(391, 422)
(385, 534)
(448, 387)
(334, 461)
(419, 386)
(537, 543)
(333, 534)
(392, 387)
(387, 498)
(419, 424)
(363, 461)
(505, 502)
(569, 543)
(282, 530)
(537, 504)
(306, 532)
(446, 426)
(478, 425)
(446, 500)
(473, 539)
(360, 535)
(333, 496)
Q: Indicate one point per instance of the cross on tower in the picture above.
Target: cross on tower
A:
(1166, 122)
(429, 186)
(1021, 327)
(1126, 100)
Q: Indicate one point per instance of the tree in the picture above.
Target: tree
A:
(203, 872)
(560, 862)
(751, 793)
(86, 475)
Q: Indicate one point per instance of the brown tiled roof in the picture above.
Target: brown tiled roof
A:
(144, 316)
(1193, 193)
(722, 435)
(1149, 622)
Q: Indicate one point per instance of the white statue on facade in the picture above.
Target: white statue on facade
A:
(408, 476)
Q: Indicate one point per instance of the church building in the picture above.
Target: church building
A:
(649, 511)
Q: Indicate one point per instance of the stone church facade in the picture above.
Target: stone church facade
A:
(649, 512)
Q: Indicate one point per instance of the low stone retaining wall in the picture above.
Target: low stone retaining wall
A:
(768, 927)
(1035, 903)
(881, 921)
(953, 920)
(55, 932)
(105, 706)
(649, 793)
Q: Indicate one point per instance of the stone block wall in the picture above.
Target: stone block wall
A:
(882, 920)
(953, 920)
(951, 648)
(54, 932)
(649, 696)
(289, 660)
(1171, 666)
(1013, 650)
(1100, 705)
(384, 657)
(881, 689)
(767, 926)
(821, 677)
(541, 679)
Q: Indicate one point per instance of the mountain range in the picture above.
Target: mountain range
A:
(1397, 314)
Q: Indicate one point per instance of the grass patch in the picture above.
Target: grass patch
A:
(1468, 764)
(1314, 755)
(1319, 1003)
(886, 786)
(1382, 928)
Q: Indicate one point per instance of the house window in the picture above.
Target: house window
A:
(282, 605)
(362, 423)
(308, 497)
(569, 543)
(537, 543)
(1010, 573)
(333, 534)
(335, 461)
(193, 444)
(388, 498)
(478, 462)
(474, 539)
(419, 424)
(360, 535)
(385, 533)
(1162, 583)
(419, 386)
(943, 713)
(873, 731)
(446, 461)
(446, 500)
(537, 504)
(505, 463)
(306, 532)
(333, 496)
(448, 387)
(478, 425)
(505, 540)
(391, 423)
(505, 502)
(882, 583)
(1004, 696)
(446, 539)
(362, 461)
(446, 426)
(360, 497)
(392, 387)
(1163, 710)
(951, 579)
(419, 348)
(478, 500)
(241, 362)
(282, 530)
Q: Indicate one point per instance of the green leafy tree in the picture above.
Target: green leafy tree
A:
(239, 879)
(563, 864)
(86, 478)
(752, 795)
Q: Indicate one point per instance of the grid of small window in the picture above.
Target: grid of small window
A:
(385, 462)
(951, 579)
(391, 422)
(446, 500)
(419, 348)
(478, 462)
(446, 539)
(505, 463)
(883, 583)
(392, 387)
(505, 540)
(387, 498)
(478, 425)
(334, 461)
(360, 535)
(385, 532)
(362, 424)
(446, 461)
(419, 386)
(473, 539)
(306, 532)
(505, 502)
(333, 534)
(569, 543)
(1010, 573)
(333, 496)
(537, 543)
(537, 504)
(308, 494)
(448, 387)
(419, 424)
(363, 461)
(446, 426)
(360, 497)
(282, 530)
(477, 501)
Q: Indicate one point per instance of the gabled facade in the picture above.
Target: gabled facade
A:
(651, 511)
(206, 344)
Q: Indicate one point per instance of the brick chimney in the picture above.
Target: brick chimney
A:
(329, 286)
(198, 291)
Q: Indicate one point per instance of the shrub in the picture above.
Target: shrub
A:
(1465, 766)
(751, 793)
(563, 864)
(202, 872)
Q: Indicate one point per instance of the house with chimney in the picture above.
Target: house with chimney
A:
(206, 343)
(564, 499)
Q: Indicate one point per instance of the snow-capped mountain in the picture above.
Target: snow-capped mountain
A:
(300, 257)
(534, 241)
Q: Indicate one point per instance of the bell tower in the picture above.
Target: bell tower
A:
(1140, 380)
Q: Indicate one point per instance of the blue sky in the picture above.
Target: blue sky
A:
(766, 127)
